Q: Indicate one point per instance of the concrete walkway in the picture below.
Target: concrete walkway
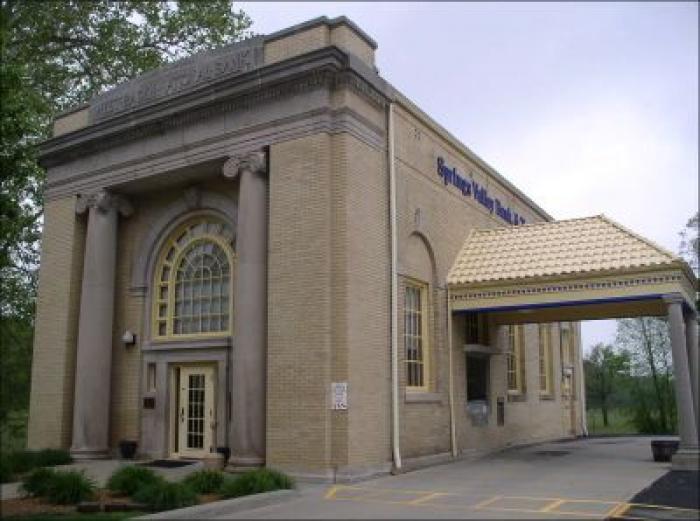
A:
(592, 478)
(101, 470)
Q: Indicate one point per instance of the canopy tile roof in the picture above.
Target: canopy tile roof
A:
(555, 249)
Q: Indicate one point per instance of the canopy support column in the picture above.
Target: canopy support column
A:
(687, 456)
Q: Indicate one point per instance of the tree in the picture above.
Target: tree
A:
(603, 368)
(690, 244)
(647, 341)
(57, 54)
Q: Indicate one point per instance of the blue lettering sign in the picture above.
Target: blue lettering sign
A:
(481, 195)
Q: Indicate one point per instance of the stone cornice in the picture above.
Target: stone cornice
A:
(328, 67)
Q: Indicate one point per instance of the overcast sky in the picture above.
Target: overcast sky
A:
(588, 108)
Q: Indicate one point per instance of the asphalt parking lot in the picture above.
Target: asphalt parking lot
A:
(586, 479)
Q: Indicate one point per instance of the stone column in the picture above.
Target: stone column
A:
(94, 356)
(687, 455)
(248, 368)
(691, 342)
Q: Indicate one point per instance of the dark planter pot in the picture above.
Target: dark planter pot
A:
(662, 450)
(225, 452)
(127, 449)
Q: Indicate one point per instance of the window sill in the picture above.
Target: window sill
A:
(516, 396)
(213, 342)
(547, 397)
(422, 397)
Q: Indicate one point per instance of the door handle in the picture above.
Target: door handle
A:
(182, 415)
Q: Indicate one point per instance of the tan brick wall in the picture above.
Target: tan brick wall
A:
(71, 122)
(348, 40)
(296, 44)
(300, 303)
(444, 217)
(58, 305)
(318, 37)
(368, 288)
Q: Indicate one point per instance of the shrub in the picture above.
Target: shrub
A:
(52, 457)
(205, 481)
(6, 473)
(25, 460)
(163, 495)
(38, 482)
(60, 487)
(127, 480)
(70, 487)
(255, 482)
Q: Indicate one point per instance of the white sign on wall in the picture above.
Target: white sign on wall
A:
(339, 396)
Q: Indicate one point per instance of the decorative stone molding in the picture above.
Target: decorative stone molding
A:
(103, 201)
(325, 68)
(254, 162)
(560, 287)
(193, 197)
(168, 219)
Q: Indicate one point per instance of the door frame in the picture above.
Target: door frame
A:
(210, 370)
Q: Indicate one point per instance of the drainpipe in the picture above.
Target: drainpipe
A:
(453, 434)
(396, 451)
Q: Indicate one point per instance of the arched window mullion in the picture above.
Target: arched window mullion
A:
(196, 294)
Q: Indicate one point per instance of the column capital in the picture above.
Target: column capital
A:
(103, 201)
(673, 298)
(254, 162)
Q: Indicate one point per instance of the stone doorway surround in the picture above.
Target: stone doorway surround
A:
(585, 269)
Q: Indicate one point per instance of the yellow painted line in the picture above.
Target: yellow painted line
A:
(662, 507)
(554, 504)
(530, 511)
(426, 498)
(486, 502)
(331, 493)
(617, 510)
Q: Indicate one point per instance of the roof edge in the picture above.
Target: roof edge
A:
(321, 20)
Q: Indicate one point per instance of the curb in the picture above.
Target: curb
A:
(227, 506)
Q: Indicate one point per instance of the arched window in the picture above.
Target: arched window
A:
(193, 281)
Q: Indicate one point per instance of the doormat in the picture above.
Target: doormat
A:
(167, 463)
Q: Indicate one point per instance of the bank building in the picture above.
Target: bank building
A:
(265, 254)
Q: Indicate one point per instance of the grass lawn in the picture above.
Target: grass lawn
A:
(618, 422)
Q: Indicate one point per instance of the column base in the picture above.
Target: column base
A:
(686, 459)
(244, 463)
(83, 454)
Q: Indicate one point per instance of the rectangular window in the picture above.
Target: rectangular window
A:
(514, 360)
(545, 331)
(477, 377)
(566, 360)
(151, 377)
(416, 335)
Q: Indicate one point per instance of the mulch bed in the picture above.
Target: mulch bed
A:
(677, 488)
(31, 506)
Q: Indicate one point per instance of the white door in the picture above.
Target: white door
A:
(195, 412)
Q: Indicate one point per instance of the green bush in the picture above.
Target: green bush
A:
(38, 482)
(70, 487)
(6, 473)
(127, 480)
(22, 461)
(205, 481)
(163, 495)
(52, 457)
(59, 487)
(255, 482)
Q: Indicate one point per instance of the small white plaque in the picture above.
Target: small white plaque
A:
(339, 396)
